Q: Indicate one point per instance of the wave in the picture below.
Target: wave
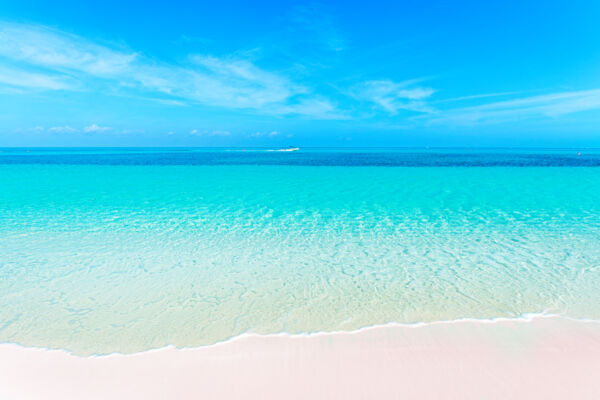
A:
(524, 318)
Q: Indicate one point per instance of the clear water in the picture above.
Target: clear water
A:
(124, 250)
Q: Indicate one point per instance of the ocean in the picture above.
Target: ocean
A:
(127, 249)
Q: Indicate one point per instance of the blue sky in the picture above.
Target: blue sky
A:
(511, 73)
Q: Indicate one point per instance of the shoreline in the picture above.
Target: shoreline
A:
(526, 317)
(530, 356)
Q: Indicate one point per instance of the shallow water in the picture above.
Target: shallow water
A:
(124, 250)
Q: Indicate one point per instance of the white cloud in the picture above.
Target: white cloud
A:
(194, 132)
(316, 107)
(51, 48)
(96, 128)
(392, 96)
(549, 105)
(62, 129)
(20, 78)
(228, 82)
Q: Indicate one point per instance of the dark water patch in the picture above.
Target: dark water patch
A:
(388, 158)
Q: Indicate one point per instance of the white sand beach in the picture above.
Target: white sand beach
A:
(545, 357)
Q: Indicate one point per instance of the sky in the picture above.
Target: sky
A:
(338, 73)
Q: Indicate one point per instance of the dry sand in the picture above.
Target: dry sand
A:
(545, 357)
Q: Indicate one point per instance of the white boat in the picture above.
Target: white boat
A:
(290, 149)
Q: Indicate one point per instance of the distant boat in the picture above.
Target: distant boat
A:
(291, 148)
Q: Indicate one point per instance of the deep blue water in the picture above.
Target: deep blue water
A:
(309, 157)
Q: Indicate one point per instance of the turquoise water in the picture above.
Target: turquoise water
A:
(122, 251)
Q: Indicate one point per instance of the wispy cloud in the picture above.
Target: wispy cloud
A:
(549, 106)
(394, 96)
(266, 134)
(317, 107)
(474, 97)
(51, 48)
(196, 132)
(95, 128)
(62, 129)
(23, 79)
(228, 82)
